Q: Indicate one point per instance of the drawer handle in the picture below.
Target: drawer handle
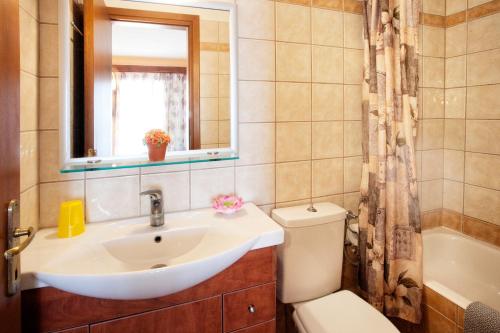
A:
(251, 308)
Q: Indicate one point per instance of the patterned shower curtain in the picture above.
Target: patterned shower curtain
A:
(389, 220)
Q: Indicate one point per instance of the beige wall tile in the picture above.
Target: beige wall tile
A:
(111, 173)
(351, 201)
(352, 138)
(483, 102)
(28, 160)
(455, 103)
(224, 32)
(53, 194)
(483, 136)
(353, 31)
(209, 31)
(49, 50)
(482, 170)
(224, 63)
(112, 198)
(224, 108)
(327, 27)
(453, 193)
(433, 72)
(454, 134)
(173, 200)
(49, 159)
(431, 195)
(209, 108)
(433, 41)
(209, 85)
(209, 132)
(455, 72)
(474, 3)
(352, 102)
(456, 40)
(206, 184)
(49, 103)
(454, 165)
(256, 19)
(455, 6)
(433, 102)
(293, 141)
(327, 64)
(436, 7)
(337, 199)
(293, 181)
(327, 177)
(483, 33)
(224, 86)
(29, 212)
(432, 133)
(224, 132)
(28, 102)
(256, 101)
(327, 101)
(256, 60)
(482, 203)
(256, 143)
(209, 62)
(353, 66)
(48, 11)
(418, 164)
(28, 35)
(293, 101)
(432, 164)
(293, 62)
(352, 173)
(483, 68)
(256, 183)
(327, 139)
(293, 23)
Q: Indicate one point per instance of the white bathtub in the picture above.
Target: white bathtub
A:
(461, 268)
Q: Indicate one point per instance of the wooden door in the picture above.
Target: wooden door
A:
(97, 73)
(10, 306)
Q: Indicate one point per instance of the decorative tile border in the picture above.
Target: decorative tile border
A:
(222, 47)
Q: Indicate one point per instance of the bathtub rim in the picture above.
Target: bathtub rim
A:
(441, 289)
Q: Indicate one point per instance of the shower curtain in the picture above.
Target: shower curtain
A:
(390, 274)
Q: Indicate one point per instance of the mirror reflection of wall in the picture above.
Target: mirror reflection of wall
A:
(147, 66)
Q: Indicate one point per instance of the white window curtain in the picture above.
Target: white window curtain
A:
(143, 101)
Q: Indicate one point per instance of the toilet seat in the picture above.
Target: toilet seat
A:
(340, 312)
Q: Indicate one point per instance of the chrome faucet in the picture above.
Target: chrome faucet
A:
(156, 217)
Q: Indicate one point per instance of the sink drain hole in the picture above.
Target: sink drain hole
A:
(158, 266)
(157, 239)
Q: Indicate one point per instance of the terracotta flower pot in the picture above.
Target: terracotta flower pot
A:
(157, 152)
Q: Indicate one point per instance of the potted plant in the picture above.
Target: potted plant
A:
(157, 141)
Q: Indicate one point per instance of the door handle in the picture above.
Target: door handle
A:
(20, 232)
(14, 232)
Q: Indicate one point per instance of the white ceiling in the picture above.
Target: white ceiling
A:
(132, 39)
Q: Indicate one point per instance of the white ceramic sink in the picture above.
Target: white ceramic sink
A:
(129, 259)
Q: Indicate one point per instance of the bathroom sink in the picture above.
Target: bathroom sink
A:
(129, 259)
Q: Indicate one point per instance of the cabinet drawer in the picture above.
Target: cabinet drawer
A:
(267, 327)
(249, 307)
(197, 317)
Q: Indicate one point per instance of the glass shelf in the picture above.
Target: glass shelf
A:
(100, 165)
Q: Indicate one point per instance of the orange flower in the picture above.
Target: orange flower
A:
(156, 137)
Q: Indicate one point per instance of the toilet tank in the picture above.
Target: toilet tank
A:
(310, 259)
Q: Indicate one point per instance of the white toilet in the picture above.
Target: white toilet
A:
(310, 271)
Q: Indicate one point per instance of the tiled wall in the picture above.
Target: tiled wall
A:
(300, 129)
(214, 84)
(471, 192)
(30, 69)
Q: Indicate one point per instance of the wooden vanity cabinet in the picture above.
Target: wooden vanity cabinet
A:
(240, 299)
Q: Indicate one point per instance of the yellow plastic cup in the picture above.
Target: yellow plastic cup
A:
(71, 219)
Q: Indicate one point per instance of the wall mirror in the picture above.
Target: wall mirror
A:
(127, 67)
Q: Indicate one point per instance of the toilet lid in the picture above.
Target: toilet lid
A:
(342, 312)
